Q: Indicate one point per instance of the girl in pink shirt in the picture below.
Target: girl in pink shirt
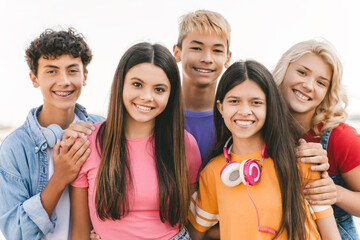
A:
(135, 183)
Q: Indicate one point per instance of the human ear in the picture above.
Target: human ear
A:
(34, 80)
(219, 106)
(227, 62)
(85, 78)
(177, 53)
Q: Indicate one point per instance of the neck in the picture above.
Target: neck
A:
(49, 115)
(198, 98)
(304, 119)
(135, 129)
(247, 146)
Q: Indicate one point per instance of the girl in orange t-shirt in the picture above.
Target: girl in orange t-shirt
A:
(253, 191)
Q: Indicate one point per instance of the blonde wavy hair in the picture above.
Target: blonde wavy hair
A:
(204, 21)
(331, 111)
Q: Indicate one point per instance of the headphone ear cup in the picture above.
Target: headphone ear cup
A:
(52, 133)
(230, 174)
(250, 172)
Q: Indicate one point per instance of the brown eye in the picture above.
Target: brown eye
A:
(159, 90)
(301, 72)
(137, 84)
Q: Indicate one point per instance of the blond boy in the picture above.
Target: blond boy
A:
(203, 50)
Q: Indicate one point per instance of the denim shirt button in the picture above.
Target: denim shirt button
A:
(36, 148)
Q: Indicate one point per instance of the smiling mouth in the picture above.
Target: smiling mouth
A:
(203, 70)
(142, 108)
(244, 123)
(63, 94)
(301, 96)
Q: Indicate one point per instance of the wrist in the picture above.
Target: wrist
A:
(339, 190)
(57, 183)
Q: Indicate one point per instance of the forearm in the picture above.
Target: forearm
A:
(21, 216)
(348, 200)
(194, 234)
(328, 228)
(213, 232)
(51, 194)
(81, 223)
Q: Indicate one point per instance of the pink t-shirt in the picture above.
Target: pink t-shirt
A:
(143, 220)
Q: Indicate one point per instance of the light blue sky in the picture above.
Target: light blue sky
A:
(261, 30)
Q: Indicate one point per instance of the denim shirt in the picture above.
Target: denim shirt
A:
(23, 176)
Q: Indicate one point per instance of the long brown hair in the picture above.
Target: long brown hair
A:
(279, 138)
(114, 176)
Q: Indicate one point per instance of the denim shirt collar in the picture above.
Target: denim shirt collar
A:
(33, 126)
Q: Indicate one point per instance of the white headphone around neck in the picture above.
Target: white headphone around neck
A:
(247, 172)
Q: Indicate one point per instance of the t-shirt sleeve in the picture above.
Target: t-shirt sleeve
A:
(344, 147)
(193, 158)
(81, 180)
(307, 176)
(203, 212)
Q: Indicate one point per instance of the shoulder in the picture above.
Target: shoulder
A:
(189, 138)
(14, 151)
(95, 118)
(192, 151)
(344, 134)
(93, 136)
(215, 165)
(18, 137)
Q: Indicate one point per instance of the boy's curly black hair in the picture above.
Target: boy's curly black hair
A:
(52, 44)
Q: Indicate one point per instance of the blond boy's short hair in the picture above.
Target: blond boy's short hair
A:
(204, 21)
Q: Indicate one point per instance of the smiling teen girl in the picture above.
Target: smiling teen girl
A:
(253, 185)
(135, 181)
(309, 78)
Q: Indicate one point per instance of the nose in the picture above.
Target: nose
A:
(206, 57)
(63, 80)
(308, 84)
(244, 110)
(146, 95)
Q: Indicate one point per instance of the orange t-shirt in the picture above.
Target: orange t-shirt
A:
(233, 208)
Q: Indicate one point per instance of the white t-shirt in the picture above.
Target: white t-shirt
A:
(62, 209)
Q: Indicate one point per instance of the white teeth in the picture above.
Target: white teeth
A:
(203, 70)
(244, 123)
(63, 94)
(143, 108)
(297, 93)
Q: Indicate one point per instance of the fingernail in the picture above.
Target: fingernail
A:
(92, 128)
(88, 150)
(312, 167)
(87, 142)
(88, 131)
(302, 159)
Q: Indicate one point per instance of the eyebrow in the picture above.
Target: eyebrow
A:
(308, 69)
(156, 85)
(253, 98)
(201, 43)
(70, 66)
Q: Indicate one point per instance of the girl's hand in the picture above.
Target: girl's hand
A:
(313, 153)
(79, 129)
(322, 191)
(94, 236)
